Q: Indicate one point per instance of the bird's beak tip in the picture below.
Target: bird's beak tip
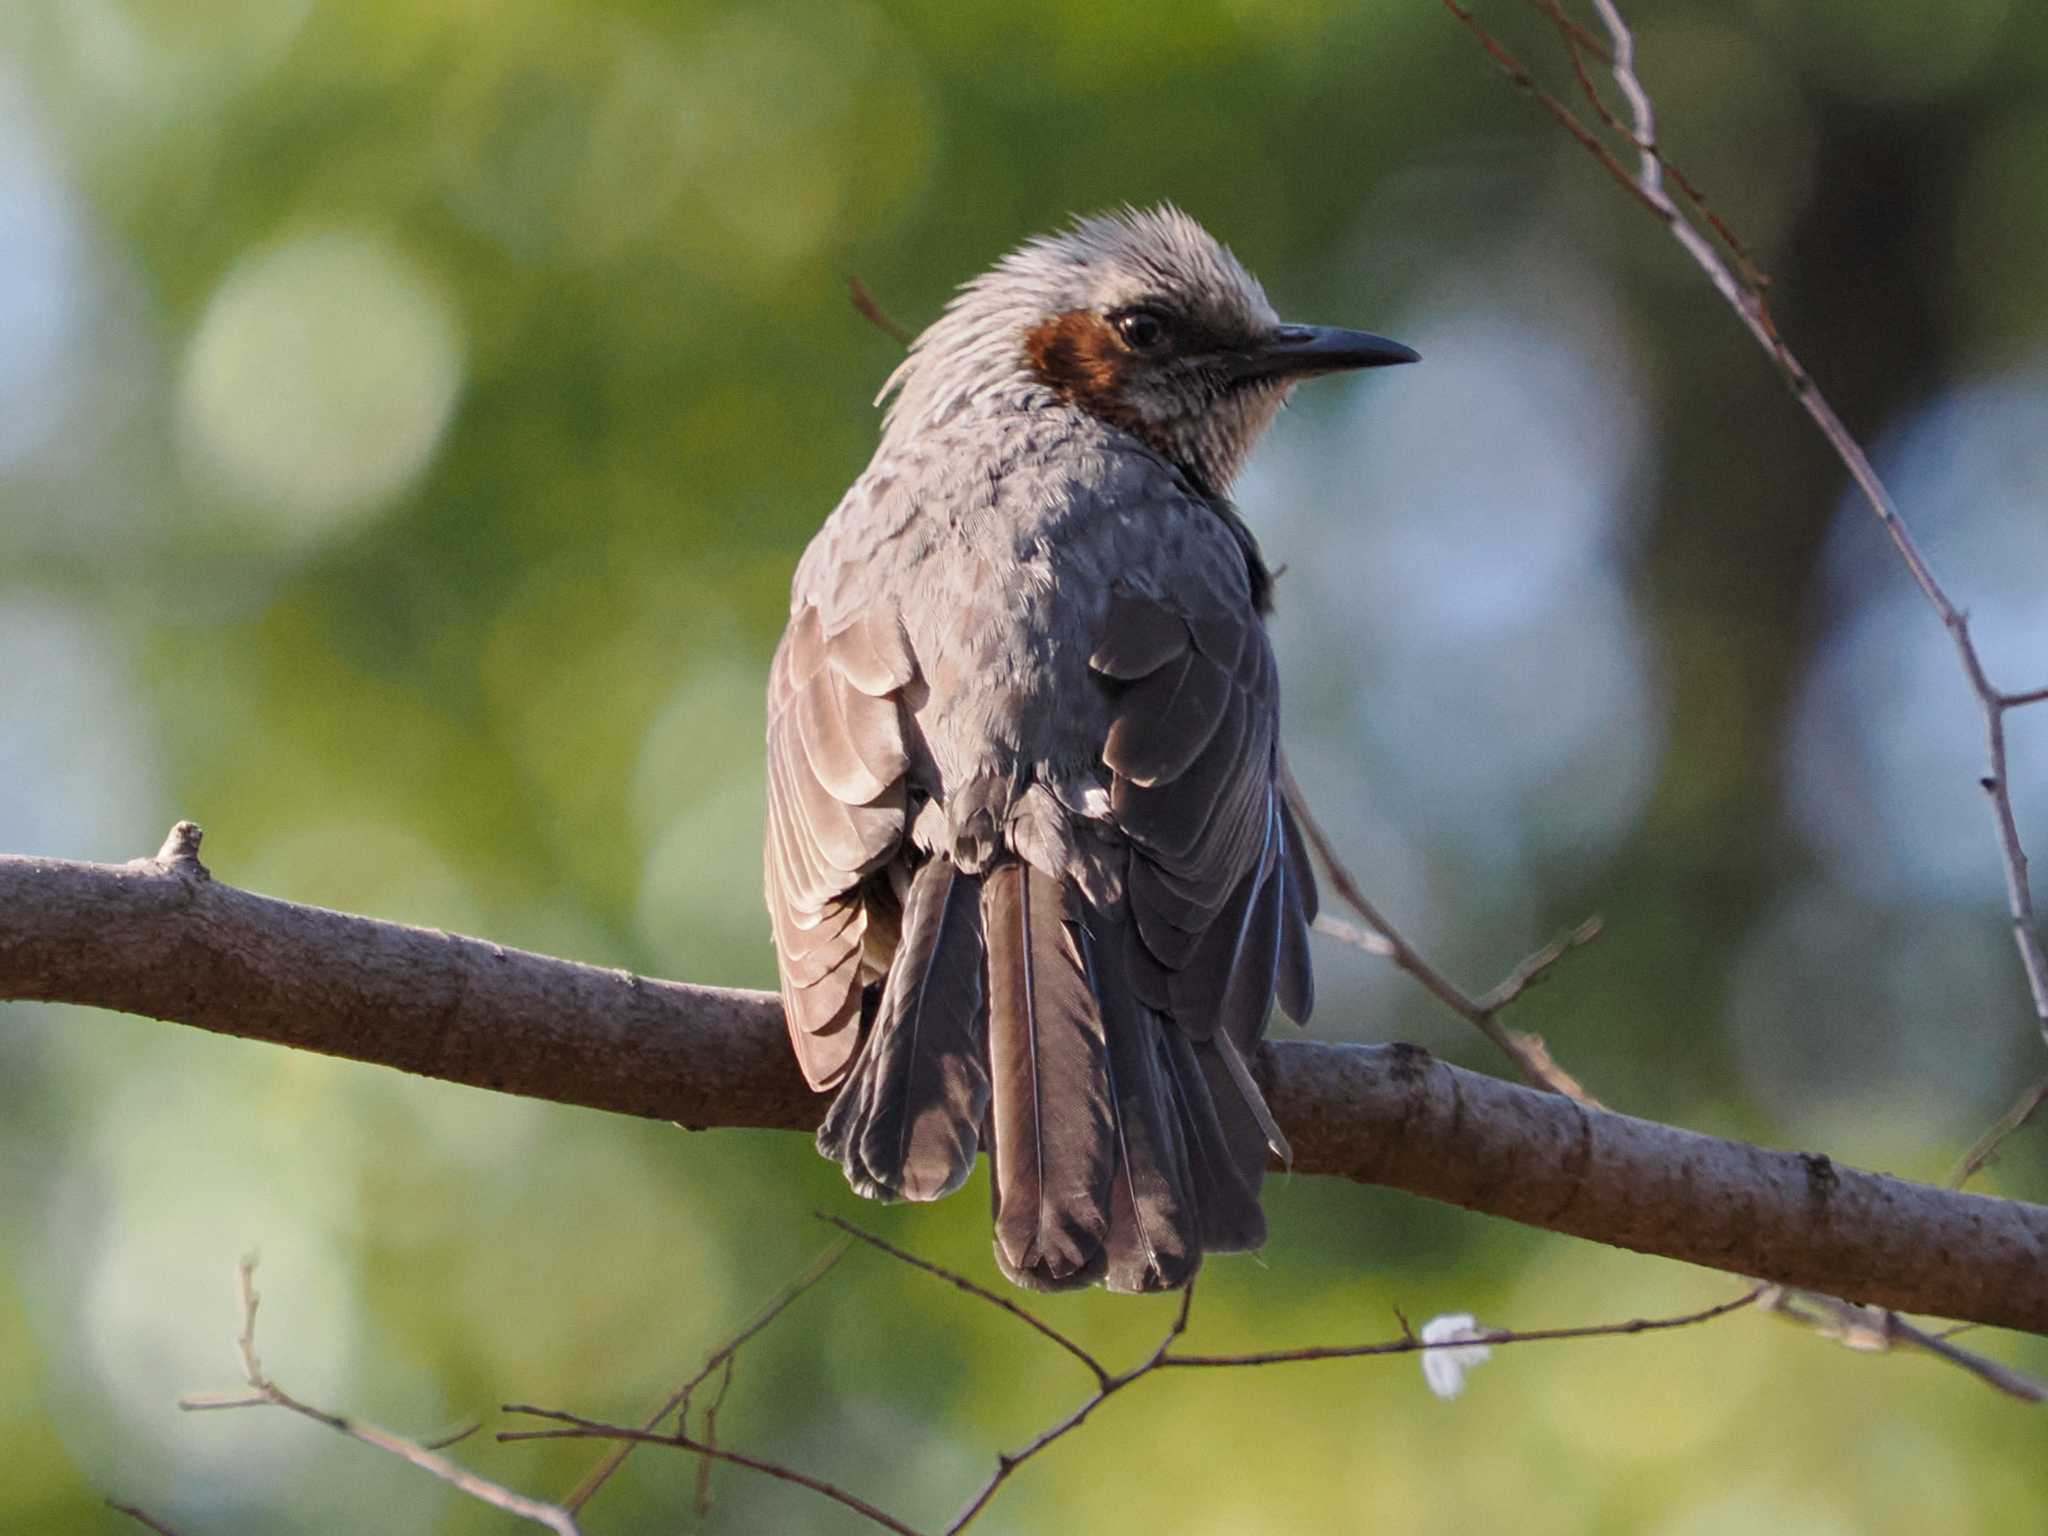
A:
(1303, 351)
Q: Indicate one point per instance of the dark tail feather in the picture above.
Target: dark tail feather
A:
(1297, 979)
(1153, 1239)
(1120, 1147)
(1248, 995)
(1051, 1146)
(1239, 1073)
(907, 1124)
(1226, 1145)
(839, 1134)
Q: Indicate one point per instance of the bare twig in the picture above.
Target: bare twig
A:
(1164, 1357)
(1519, 76)
(1987, 1145)
(1161, 1357)
(1880, 1330)
(140, 1517)
(703, 1497)
(1528, 1052)
(264, 1390)
(1535, 967)
(575, 1427)
(1867, 1328)
(1007, 1462)
(1746, 299)
(722, 1356)
(994, 1298)
(871, 310)
(1578, 42)
(1408, 1343)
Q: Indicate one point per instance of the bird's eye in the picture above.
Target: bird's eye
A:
(1142, 330)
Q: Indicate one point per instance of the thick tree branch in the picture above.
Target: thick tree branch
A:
(160, 937)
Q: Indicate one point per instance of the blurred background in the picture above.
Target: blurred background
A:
(410, 416)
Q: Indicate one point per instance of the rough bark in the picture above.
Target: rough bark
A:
(160, 937)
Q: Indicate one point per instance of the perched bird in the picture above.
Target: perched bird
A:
(1032, 881)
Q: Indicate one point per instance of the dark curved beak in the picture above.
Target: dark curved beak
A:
(1302, 351)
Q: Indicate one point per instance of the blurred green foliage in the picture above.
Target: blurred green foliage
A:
(410, 415)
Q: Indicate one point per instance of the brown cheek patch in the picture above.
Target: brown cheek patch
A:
(1078, 357)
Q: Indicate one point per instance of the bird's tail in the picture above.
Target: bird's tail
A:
(1121, 1147)
(907, 1121)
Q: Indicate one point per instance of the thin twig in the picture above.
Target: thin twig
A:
(703, 1500)
(993, 1298)
(140, 1517)
(1880, 1330)
(1987, 1145)
(1409, 1343)
(1519, 76)
(264, 1390)
(453, 1437)
(575, 1427)
(1008, 1462)
(815, 1271)
(1528, 1052)
(1535, 967)
(1163, 1357)
(871, 310)
(1578, 41)
(2028, 1389)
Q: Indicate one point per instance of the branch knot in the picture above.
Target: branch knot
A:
(180, 853)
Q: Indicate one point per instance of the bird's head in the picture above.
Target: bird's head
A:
(1141, 319)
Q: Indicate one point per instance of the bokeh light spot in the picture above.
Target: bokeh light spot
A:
(318, 383)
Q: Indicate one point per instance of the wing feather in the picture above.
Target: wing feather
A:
(1219, 900)
(1165, 719)
(1138, 637)
(837, 754)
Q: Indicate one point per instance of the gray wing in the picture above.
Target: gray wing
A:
(1219, 886)
(836, 808)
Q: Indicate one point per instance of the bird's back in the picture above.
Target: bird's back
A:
(999, 549)
(1033, 884)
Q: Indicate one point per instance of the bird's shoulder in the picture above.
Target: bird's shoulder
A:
(1045, 488)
